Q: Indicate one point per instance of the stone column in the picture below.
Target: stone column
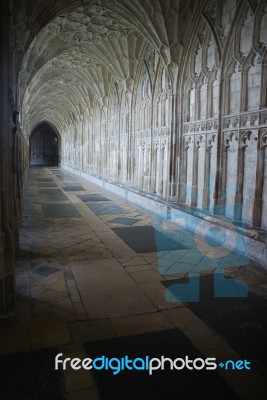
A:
(7, 296)
(258, 199)
(240, 176)
(207, 171)
(194, 190)
(173, 145)
(185, 149)
(130, 139)
(218, 191)
(154, 166)
(226, 144)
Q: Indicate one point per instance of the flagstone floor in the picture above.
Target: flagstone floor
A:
(83, 275)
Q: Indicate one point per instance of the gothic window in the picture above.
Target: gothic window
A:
(127, 123)
(246, 34)
(148, 91)
(163, 117)
(211, 55)
(197, 64)
(157, 108)
(147, 117)
(228, 12)
(191, 104)
(137, 119)
(203, 102)
(143, 90)
(145, 87)
(215, 98)
(254, 81)
(235, 84)
(162, 81)
(75, 137)
(263, 28)
(122, 124)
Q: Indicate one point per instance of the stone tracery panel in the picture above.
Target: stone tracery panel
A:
(254, 85)
(249, 138)
(202, 104)
(235, 90)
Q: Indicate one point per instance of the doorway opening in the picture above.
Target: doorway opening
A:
(44, 146)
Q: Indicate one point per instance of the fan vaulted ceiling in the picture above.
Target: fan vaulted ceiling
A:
(74, 59)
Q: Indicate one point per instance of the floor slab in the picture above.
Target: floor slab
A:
(146, 239)
(117, 297)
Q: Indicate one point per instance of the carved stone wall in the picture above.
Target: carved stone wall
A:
(188, 128)
(224, 112)
(169, 97)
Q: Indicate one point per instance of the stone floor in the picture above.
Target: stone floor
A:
(90, 269)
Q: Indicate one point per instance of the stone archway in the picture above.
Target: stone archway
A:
(44, 146)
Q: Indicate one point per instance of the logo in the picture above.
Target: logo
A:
(117, 365)
(202, 245)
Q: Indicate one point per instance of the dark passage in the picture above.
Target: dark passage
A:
(44, 146)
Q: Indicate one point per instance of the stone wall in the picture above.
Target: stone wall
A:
(13, 163)
(195, 132)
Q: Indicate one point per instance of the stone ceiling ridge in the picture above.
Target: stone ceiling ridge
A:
(93, 46)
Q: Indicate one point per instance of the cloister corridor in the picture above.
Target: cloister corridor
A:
(133, 199)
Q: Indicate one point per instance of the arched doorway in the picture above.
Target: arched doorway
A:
(44, 146)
